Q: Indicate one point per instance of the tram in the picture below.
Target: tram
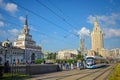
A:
(93, 62)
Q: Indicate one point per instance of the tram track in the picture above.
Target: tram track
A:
(110, 70)
(80, 75)
(63, 75)
(95, 78)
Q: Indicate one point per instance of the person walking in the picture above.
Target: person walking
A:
(72, 67)
(78, 65)
(84, 64)
(67, 66)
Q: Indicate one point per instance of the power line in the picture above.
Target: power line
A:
(55, 6)
(43, 18)
(56, 14)
(19, 25)
(60, 10)
(33, 25)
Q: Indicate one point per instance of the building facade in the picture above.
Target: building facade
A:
(115, 53)
(24, 41)
(24, 49)
(82, 49)
(67, 54)
(97, 42)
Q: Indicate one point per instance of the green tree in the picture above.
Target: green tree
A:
(39, 61)
(100, 55)
(51, 56)
(80, 57)
(54, 56)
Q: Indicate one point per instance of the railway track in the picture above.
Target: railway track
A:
(97, 74)
(63, 75)
(94, 74)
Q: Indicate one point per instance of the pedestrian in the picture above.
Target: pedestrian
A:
(78, 65)
(84, 64)
(67, 66)
(72, 67)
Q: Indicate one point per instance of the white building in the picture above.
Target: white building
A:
(67, 54)
(10, 53)
(23, 50)
(115, 53)
(24, 41)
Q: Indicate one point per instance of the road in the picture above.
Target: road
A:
(84, 74)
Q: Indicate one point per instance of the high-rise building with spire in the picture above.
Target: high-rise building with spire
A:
(97, 37)
(82, 46)
(97, 41)
(83, 49)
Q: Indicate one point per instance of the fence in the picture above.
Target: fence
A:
(34, 68)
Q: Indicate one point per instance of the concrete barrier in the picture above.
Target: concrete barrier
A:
(33, 69)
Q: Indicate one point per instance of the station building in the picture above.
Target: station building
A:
(24, 49)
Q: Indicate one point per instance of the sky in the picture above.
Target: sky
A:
(59, 24)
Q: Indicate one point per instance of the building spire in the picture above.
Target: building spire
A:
(26, 21)
(26, 29)
(96, 24)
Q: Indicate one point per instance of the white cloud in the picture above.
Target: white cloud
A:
(14, 32)
(32, 28)
(10, 34)
(1, 24)
(105, 20)
(111, 33)
(84, 32)
(10, 7)
(21, 18)
(91, 19)
(108, 23)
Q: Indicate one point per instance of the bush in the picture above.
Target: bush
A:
(70, 61)
(39, 61)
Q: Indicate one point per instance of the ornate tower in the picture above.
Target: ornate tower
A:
(97, 37)
(25, 28)
(97, 42)
(82, 46)
(25, 39)
(25, 42)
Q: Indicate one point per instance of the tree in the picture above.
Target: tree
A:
(80, 57)
(51, 56)
(100, 55)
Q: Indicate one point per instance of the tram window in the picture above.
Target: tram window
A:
(89, 60)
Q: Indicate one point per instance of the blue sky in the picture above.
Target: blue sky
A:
(59, 24)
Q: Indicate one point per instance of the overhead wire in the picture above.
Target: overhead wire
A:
(61, 11)
(56, 14)
(13, 23)
(41, 17)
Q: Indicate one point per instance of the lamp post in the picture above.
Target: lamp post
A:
(6, 44)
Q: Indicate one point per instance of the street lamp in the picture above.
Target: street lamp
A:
(6, 44)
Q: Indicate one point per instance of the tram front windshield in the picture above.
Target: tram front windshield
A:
(89, 60)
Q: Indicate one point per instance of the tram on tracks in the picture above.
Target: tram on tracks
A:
(93, 62)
